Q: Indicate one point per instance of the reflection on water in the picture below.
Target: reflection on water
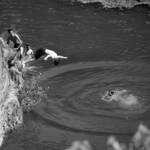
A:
(107, 49)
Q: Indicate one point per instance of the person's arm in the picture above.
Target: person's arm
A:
(62, 57)
(20, 41)
(21, 50)
(28, 60)
(2, 40)
(47, 57)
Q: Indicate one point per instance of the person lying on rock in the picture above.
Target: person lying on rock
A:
(49, 54)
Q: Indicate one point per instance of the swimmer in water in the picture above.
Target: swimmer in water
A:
(50, 54)
(111, 93)
(14, 37)
(122, 97)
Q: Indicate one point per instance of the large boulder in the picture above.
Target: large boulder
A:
(11, 115)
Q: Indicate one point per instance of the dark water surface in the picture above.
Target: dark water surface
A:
(106, 48)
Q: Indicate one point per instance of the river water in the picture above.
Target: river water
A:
(107, 48)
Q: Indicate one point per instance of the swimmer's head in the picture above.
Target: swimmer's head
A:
(111, 92)
(56, 62)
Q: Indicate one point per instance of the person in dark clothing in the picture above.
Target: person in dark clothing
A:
(39, 53)
(14, 38)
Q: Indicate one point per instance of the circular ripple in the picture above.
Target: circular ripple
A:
(75, 92)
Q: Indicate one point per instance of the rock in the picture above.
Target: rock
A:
(11, 115)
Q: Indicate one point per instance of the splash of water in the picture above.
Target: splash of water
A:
(74, 93)
(122, 97)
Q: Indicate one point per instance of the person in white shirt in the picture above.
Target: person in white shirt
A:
(29, 51)
(49, 54)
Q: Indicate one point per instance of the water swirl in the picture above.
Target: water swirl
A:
(74, 96)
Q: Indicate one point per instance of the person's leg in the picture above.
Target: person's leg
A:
(47, 57)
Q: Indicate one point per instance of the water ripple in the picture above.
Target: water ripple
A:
(75, 92)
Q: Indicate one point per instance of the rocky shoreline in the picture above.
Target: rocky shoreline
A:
(18, 92)
(116, 3)
(11, 114)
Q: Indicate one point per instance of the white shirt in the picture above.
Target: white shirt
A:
(53, 55)
(21, 50)
(30, 52)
